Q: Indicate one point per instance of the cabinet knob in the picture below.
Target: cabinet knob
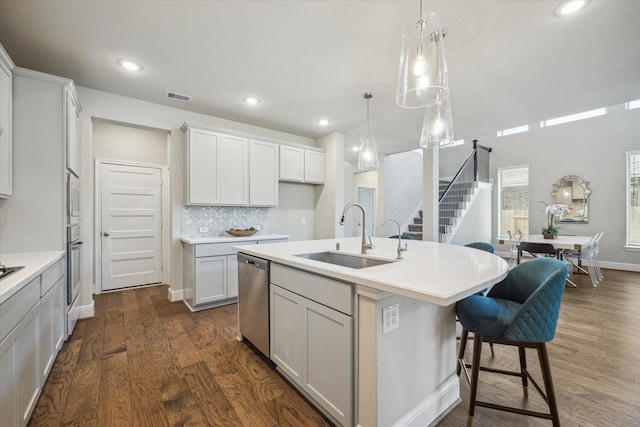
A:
(105, 234)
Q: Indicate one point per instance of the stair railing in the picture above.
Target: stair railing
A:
(475, 168)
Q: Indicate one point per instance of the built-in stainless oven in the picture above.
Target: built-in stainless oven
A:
(73, 262)
(73, 199)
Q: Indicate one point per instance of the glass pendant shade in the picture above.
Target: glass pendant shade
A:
(368, 154)
(437, 128)
(422, 76)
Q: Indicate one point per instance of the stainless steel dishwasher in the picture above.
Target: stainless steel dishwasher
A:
(253, 301)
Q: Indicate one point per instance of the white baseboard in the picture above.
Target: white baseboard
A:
(620, 266)
(175, 295)
(86, 310)
(603, 264)
(430, 410)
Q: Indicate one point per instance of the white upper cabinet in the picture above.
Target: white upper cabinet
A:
(229, 170)
(314, 166)
(301, 165)
(202, 171)
(6, 67)
(233, 169)
(73, 132)
(263, 173)
(217, 168)
(291, 163)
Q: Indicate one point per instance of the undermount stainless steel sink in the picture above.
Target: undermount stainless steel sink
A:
(4, 272)
(345, 260)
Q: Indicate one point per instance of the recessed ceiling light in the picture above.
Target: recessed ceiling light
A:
(129, 65)
(251, 100)
(355, 148)
(323, 122)
(569, 7)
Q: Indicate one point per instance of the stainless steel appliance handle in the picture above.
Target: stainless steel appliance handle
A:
(76, 245)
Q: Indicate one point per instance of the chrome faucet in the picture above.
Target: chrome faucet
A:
(365, 246)
(400, 248)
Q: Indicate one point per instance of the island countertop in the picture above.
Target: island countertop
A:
(437, 273)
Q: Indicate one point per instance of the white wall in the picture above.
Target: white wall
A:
(330, 196)
(296, 206)
(114, 141)
(135, 113)
(592, 149)
(403, 188)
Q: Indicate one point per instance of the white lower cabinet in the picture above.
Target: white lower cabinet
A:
(286, 331)
(27, 353)
(326, 358)
(9, 379)
(52, 327)
(311, 342)
(211, 277)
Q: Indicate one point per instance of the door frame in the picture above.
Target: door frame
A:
(165, 227)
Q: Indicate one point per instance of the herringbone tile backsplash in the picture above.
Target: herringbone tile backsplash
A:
(217, 219)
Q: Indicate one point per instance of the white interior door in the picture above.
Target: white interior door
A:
(131, 223)
(366, 196)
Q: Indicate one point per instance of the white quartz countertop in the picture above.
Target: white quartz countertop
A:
(232, 239)
(433, 272)
(34, 264)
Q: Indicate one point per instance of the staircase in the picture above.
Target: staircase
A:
(452, 207)
(415, 229)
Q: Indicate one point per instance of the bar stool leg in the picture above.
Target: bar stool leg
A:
(523, 369)
(463, 346)
(548, 383)
(475, 372)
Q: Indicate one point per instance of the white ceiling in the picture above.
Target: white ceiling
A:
(510, 62)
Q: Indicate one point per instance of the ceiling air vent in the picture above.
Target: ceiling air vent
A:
(178, 96)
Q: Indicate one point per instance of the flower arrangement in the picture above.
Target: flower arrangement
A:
(554, 213)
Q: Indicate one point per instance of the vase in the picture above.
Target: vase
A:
(549, 236)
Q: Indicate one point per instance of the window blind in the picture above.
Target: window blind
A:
(633, 198)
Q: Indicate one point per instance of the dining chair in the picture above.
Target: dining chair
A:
(587, 256)
(545, 250)
(522, 311)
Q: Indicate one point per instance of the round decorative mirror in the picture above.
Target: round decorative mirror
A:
(574, 192)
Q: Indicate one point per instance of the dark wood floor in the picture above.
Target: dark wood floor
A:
(142, 361)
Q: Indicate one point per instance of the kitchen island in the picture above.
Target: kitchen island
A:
(373, 346)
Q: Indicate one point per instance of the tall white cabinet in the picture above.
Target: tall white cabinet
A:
(34, 219)
(6, 71)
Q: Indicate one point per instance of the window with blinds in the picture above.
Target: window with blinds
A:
(513, 200)
(633, 199)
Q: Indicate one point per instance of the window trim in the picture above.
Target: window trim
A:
(628, 246)
(499, 178)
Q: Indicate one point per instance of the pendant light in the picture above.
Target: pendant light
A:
(422, 77)
(368, 153)
(437, 128)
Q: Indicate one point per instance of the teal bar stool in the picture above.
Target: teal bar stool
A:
(520, 311)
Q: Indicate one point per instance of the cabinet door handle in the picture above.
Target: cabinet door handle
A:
(105, 234)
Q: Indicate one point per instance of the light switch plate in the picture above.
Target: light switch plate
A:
(390, 318)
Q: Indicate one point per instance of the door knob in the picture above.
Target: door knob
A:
(105, 234)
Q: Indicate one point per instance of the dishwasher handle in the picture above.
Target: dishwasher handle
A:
(253, 262)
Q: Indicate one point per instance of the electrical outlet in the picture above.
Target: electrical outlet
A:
(390, 318)
(303, 221)
(204, 229)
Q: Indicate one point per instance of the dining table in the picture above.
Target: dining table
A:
(560, 243)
